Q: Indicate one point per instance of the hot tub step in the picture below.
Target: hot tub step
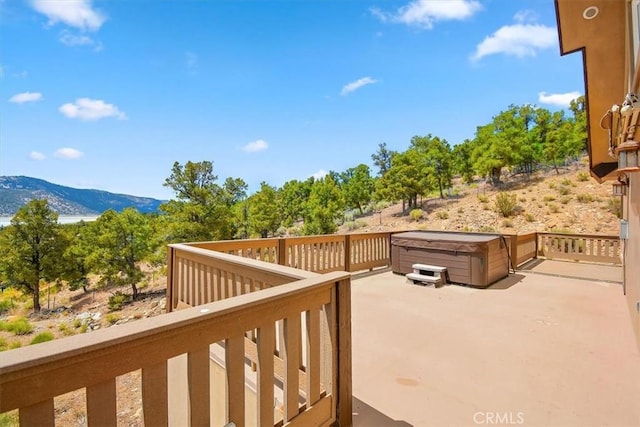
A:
(417, 278)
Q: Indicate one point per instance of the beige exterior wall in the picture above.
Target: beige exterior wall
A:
(631, 212)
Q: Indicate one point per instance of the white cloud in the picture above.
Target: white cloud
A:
(68, 153)
(424, 13)
(558, 99)
(75, 13)
(36, 155)
(21, 98)
(91, 109)
(70, 39)
(518, 40)
(355, 85)
(255, 146)
(320, 174)
(525, 16)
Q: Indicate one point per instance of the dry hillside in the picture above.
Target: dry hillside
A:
(570, 201)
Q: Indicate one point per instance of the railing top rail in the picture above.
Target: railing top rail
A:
(264, 267)
(363, 236)
(315, 239)
(119, 347)
(579, 235)
(242, 243)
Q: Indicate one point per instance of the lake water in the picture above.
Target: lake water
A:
(6, 220)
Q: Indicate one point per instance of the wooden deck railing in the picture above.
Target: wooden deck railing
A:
(310, 365)
(523, 247)
(320, 254)
(579, 247)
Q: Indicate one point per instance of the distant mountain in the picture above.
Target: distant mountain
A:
(16, 191)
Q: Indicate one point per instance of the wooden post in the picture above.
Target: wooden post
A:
(344, 413)
(170, 259)
(347, 252)
(282, 251)
(513, 241)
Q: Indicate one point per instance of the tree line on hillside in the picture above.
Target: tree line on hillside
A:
(36, 249)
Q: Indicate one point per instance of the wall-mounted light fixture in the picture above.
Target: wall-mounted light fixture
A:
(628, 156)
(620, 188)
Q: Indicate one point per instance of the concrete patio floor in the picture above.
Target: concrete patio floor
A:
(533, 350)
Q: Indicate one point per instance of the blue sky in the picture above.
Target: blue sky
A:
(108, 94)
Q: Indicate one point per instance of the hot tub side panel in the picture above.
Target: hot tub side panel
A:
(458, 264)
(498, 261)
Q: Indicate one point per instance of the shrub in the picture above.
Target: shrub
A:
(563, 190)
(442, 214)
(117, 300)
(77, 323)
(460, 210)
(10, 419)
(483, 198)
(552, 185)
(5, 305)
(548, 198)
(354, 225)
(8, 299)
(614, 205)
(112, 318)
(585, 198)
(416, 214)
(553, 208)
(65, 329)
(523, 199)
(3, 344)
(507, 223)
(565, 199)
(566, 182)
(42, 337)
(530, 217)
(18, 326)
(486, 229)
(506, 204)
(582, 177)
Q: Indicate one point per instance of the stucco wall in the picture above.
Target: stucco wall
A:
(631, 206)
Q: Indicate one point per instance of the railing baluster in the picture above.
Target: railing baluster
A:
(41, 414)
(192, 282)
(266, 348)
(101, 404)
(313, 356)
(290, 345)
(199, 395)
(234, 362)
(154, 395)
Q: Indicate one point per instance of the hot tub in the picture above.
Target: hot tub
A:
(471, 259)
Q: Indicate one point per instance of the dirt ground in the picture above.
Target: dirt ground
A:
(570, 202)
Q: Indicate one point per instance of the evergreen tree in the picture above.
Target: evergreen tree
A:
(31, 248)
(124, 240)
(264, 211)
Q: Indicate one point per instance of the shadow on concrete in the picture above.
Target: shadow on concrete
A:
(366, 416)
(531, 264)
(367, 273)
(506, 283)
